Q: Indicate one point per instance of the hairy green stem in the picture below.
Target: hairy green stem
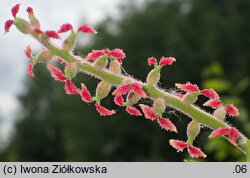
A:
(192, 111)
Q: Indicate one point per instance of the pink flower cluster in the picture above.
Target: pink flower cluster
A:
(164, 61)
(85, 28)
(214, 100)
(192, 150)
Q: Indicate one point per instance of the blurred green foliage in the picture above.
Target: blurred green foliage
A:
(210, 40)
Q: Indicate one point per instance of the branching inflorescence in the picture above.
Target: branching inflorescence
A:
(106, 65)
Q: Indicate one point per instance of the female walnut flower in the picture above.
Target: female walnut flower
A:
(125, 88)
(232, 132)
(154, 76)
(164, 123)
(192, 150)
(164, 61)
(30, 66)
(58, 75)
(134, 91)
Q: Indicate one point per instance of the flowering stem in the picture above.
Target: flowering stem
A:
(126, 85)
(152, 91)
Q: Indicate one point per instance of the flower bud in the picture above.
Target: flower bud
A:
(132, 98)
(220, 113)
(102, 90)
(70, 42)
(192, 131)
(190, 98)
(70, 70)
(44, 56)
(22, 25)
(101, 62)
(159, 106)
(154, 76)
(115, 67)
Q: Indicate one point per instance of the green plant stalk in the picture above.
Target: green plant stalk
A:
(192, 111)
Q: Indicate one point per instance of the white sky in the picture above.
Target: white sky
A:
(52, 13)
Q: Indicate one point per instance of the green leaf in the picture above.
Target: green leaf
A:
(219, 85)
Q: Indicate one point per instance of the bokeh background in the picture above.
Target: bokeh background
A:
(210, 40)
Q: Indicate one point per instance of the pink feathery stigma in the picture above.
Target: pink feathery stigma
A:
(85, 94)
(137, 88)
(30, 10)
(178, 144)
(28, 51)
(65, 28)
(38, 31)
(152, 61)
(85, 28)
(167, 61)
(195, 152)
(56, 73)
(52, 34)
(148, 112)
(188, 87)
(95, 54)
(210, 93)
(133, 111)
(232, 110)
(234, 135)
(121, 89)
(219, 132)
(118, 54)
(214, 103)
(7, 25)
(15, 10)
(29, 70)
(118, 100)
(70, 88)
(166, 124)
(103, 111)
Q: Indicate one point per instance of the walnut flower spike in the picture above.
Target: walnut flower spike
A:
(129, 93)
